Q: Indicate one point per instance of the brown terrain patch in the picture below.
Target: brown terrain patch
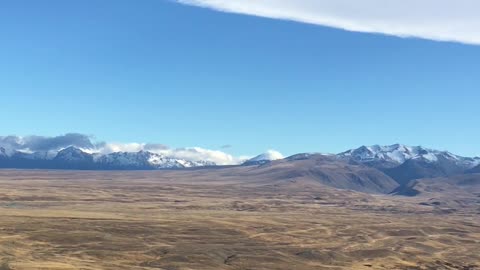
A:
(179, 220)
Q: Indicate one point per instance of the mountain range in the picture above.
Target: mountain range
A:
(375, 169)
(77, 159)
(405, 163)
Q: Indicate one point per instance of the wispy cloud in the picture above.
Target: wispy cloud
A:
(443, 20)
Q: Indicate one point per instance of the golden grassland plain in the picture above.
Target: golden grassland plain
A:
(208, 219)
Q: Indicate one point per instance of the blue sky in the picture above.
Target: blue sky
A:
(161, 72)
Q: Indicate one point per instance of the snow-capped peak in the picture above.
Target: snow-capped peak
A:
(147, 160)
(398, 153)
(266, 157)
(73, 154)
(270, 155)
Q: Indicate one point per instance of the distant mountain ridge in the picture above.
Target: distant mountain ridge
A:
(147, 160)
(75, 158)
(397, 154)
(404, 163)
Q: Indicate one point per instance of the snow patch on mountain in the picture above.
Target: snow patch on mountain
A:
(397, 154)
(147, 160)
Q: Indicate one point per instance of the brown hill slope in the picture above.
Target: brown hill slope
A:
(323, 170)
(466, 185)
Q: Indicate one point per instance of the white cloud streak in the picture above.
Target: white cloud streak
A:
(441, 20)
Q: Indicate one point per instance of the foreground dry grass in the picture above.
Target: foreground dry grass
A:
(210, 220)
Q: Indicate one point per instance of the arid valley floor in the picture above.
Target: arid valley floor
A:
(201, 219)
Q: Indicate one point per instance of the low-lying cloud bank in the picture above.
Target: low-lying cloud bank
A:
(87, 144)
(41, 143)
(188, 153)
(442, 20)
